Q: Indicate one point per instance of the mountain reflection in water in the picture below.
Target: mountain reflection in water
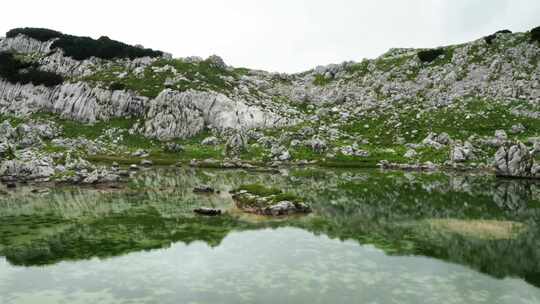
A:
(415, 234)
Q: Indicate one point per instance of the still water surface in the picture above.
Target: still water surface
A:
(374, 237)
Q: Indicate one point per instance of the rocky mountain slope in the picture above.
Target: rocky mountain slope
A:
(453, 106)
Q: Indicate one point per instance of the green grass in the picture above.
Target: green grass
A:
(359, 69)
(258, 189)
(198, 76)
(321, 80)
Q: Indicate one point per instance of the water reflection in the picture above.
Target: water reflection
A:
(398, 213)
(286, 265)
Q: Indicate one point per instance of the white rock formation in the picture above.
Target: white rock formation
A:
(182, 114)
(514, 161)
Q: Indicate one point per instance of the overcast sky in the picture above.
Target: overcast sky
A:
(276, 35)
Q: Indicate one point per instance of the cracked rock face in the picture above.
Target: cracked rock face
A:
(77, 101)
(25, 45)
(514, 161)
(33, 169)
(184, 114)
(173, 116)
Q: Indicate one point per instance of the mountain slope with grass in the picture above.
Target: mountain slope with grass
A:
(103, 100)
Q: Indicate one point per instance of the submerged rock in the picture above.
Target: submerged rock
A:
(207, 211)
(146, 163)
(203, 189)
(268, 201)
(285, 208)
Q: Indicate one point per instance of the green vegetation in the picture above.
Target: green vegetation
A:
(535, 34)
(40, 34)
(258, 189)
(434, 215)
(321, 80)
(16, 70)
(386, 64)
(160, 75)
(359, 69)
(259, 196)
(81, 48)
(428, 56)
(460, 120)
(489, 39)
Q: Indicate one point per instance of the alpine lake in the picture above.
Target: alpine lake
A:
(372, 237)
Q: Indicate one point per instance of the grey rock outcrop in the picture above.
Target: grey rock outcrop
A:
(33, 169)
(183, 114)
(461, 152)
(514, 161)
(236, 143)
(77, 101)
(25, 45)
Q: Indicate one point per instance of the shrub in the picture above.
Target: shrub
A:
(37, 77)
(535, 34)
(430, 55)
(80, 48)
(16, 71)
(40, 34)
(489, 39)
(117, 86)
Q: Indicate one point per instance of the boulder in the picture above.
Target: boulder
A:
(146, 163)
(286, 208)
(318, 145)
(173, 148)
(210, 141)
(516, 129)
(514, 161)
(203, 189)
(410, 153)
(140, 153)
(501, 135)
(216, 61)
(34, 169)
(6, 130)
(207, 211)
(280, 153)
(353, 150)
(236, 143)
(433, 140)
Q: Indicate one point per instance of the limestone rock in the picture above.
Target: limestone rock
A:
(516, 129)
(461, 153)
(210, 141)
(410, 153)
(514, 161)
(236, 143)
(318, 145)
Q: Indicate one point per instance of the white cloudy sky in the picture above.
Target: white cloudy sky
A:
(276, 35)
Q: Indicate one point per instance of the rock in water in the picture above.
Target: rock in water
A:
(207, 211)
(203, 189)
(514, 161)
(286, 208)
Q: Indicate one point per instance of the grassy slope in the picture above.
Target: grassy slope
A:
(202, 76)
